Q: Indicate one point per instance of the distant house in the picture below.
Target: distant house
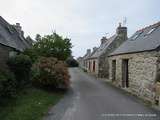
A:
(98, 61)
(86, 64)
(80, 61)
(92, 64)
(12, 41)
(135, 65)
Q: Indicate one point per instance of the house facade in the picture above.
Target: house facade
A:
(12, 41)
(135, 65)
(99, 59)
(83, 61)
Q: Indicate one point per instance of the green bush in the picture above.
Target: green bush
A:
(20, 65)
(72, 63)
(51, 73)
(7, 85)
(32, 54)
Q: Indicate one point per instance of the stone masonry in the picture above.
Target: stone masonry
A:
(142, 73)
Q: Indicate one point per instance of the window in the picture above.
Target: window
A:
(12, 53)
(10, 29)
(150, 31)
(136, 35)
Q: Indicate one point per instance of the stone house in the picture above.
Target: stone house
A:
(12, 41)
(99, 59)
(135, 65)
(86, 64)
(92, 64)
(83, 63)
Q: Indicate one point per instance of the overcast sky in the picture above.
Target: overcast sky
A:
(84, 21)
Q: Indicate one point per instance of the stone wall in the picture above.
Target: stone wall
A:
(103, 60)
(96, 66)
(142, 68)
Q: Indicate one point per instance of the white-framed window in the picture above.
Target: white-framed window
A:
(150, 31)
(12, 53)
(136, 35)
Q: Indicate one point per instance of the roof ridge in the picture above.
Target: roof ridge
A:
(155, 24)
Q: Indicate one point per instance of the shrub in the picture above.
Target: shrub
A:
(72, 63)
(31, 53)
(51, 73)
(7, 85)
(20, 65)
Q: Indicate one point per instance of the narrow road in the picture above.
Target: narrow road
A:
(91, 99)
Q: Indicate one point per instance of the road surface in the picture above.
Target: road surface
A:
(93, 99)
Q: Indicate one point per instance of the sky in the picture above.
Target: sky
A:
(85, 22)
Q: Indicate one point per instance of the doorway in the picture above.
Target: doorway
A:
(125, 80)
(89, 65)
(113, 70)
(94, 65)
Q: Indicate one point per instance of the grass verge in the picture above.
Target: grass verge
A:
(31, 104)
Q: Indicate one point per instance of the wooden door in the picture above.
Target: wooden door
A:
(94, 65)
(125, 81)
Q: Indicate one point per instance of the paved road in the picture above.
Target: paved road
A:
(91, 99)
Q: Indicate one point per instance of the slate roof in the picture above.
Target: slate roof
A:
(146, 39)
(86, 56)
(10, 37)
(103, 47)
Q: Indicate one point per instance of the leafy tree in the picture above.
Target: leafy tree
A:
(53, 46)
(71, 62)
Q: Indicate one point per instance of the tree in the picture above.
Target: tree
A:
(52, 46)
(71, 62)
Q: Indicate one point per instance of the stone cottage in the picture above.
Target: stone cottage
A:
(135, 65)
(99, 59)
(12, 41)
(83, 60)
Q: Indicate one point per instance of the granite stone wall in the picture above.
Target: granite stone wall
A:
(94, 72)
(142, 73)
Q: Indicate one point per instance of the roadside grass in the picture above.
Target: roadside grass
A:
(30, 104)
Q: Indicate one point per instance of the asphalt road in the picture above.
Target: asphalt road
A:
(93, 99)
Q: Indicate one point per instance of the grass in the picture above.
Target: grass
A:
(31, 104)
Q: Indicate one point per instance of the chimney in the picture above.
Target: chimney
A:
(88, 51)
(18, 26)
(19, 29)
(121, 30)
(103, 40)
